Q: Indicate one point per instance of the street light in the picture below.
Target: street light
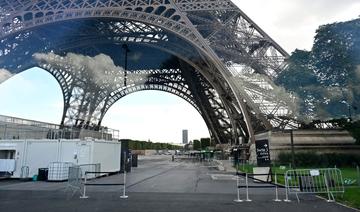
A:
(126, 49)
(350, 115)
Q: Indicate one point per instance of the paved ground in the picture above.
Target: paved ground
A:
(156, 185)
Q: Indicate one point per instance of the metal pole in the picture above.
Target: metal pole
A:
(247, 189)
(292, 149)
(276, 190)
(358, 174)
(5, 131)
(328, 190)
(350, 118)
(238, 190)
(286, 188)
(123, 196)
(126, 48)
(84, 193)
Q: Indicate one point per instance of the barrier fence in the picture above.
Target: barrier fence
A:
(18, 128)
(298, 181)
(314, 181)
(95, 167)
(74, 179)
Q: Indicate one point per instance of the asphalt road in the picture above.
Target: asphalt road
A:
(157, 184)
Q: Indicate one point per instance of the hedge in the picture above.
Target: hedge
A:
(309, 159)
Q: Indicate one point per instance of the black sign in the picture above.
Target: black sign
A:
(262, 153)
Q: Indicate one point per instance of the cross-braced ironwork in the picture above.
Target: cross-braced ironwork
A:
(207, 52)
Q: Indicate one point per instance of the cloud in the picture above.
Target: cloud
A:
(4, 75)
(99, 70)
(293, 23)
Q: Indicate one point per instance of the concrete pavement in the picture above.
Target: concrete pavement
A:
(156, 185)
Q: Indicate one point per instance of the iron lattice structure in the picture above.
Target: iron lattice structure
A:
(199, 50)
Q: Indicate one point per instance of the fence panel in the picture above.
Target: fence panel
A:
(314, 181)
(75, 179)
(95, 168)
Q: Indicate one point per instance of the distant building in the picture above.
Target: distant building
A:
(185, 137)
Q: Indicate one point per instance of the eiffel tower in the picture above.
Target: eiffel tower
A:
(204, 51)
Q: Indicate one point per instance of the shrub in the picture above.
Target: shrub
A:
(311, 159)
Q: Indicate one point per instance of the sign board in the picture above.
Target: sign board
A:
(262, 174)
(314, 172)
(262, 153)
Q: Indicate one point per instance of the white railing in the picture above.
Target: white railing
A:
(16, 128)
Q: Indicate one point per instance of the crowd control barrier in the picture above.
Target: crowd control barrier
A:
(74, 179)
(314, 181)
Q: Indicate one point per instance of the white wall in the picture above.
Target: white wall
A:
(75, 151)
(108, 154)
(40, 153)
(68, 149)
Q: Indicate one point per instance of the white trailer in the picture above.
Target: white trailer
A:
(36, 154)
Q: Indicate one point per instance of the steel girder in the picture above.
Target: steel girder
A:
(216, 37)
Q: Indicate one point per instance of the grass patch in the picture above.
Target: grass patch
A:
(351, 196)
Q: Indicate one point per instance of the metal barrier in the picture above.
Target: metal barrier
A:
(247, 186)
(314, 181)
(95, 167)
(74, 179)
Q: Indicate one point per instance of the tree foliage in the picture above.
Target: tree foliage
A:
(196, 145)
(205, 143)
(327, 78)
(143, 145)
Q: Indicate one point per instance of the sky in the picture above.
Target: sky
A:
(161, 117)
(293, 23)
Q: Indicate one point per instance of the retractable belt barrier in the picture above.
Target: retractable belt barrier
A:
(123, 196)
(247, 187)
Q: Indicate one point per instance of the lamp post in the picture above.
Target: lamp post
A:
(349, 108)
(126, 49)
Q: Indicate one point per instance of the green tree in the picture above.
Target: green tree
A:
(197, 145)
(327, 78)
(205, 142)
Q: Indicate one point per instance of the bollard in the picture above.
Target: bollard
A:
(247, 189)
(84, 192)
(238, 190)
(276, 190)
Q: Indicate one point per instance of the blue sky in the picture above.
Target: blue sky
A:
(34, 94)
